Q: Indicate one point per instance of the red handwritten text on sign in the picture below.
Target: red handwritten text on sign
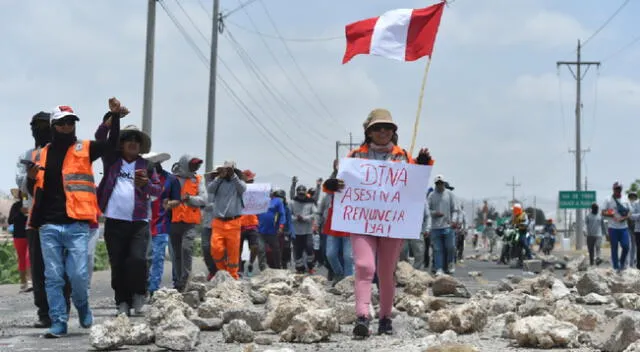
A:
(380, 198)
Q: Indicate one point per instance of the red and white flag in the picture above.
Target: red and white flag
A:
(403, 34)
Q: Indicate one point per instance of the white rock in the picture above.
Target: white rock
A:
(621, 332)
(559, 290)
(251, 316)
(311, 326)
(177, 333)
(634, 347)
(277, 288)
(544, 332)
(237, 331)
(596, 299)
(628, 300)
(111, 334)
(281, 310)
(140, 334)
(467, 318)
(446, 285)
(584, 319)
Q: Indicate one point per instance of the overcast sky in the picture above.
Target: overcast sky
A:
(494, 107)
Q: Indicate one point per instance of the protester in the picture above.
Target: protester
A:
(161, 217)
(207, 218)
(489, 234)
(227, 190)
(64, 202)
(124, 195)
(18, 218)
(634, 229)
(442, 208)
(41, 133)
(94, 228)
(380, 143)
(617, 212)
(249, 230)
(185, 217)
(270, 225)
(338, 251)
(595, 230)
(460, 228)
(302, 213)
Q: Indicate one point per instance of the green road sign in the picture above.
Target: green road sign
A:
(576, 199)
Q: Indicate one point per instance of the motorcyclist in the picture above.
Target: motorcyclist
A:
(549, 233)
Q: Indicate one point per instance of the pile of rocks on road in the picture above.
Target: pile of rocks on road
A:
(590, 308)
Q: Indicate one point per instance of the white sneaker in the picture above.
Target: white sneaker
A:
(138, 303)
(439, 272)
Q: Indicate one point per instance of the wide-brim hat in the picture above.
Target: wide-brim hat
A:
(15, 193)
(145, 145)
(156, 158)
(379, 116)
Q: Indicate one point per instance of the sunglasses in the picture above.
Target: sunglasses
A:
(382, 126)
(65, 122)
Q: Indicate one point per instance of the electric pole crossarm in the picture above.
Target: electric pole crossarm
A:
(578, 151)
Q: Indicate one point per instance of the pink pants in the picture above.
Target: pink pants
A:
(365, 251)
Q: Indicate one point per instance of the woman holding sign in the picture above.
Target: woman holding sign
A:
(380, 144)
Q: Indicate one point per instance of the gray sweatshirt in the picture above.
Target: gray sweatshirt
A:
(307, 209)
(444, 203)
(426, 225)
(595, 225)
(207, 211)
(182, 174)
(323, 210)
(227, 196)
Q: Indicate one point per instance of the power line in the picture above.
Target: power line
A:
(295, 63)
(237, 101)
(193, 22)
(623, 48)
(606, 23)
(277, 96)
(242, 6)
(286, 39)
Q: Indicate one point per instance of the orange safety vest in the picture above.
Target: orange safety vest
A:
(183, 212)
(77, 181)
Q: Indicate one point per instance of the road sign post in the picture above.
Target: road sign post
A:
(576, 199)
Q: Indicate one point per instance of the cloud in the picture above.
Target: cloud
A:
(483, 26)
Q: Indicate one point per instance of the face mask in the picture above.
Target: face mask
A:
(63, 139)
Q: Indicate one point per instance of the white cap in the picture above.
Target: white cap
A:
(156, 157)
(439, 178)
(62, 111)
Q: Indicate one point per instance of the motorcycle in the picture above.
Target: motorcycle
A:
(547, 243)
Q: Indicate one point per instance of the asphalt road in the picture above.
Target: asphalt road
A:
(17, 311)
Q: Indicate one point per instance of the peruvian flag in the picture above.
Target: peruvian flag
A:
(404, 34)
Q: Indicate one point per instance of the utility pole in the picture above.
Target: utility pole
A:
(147, 102)
(339, 144)
(578, 77)
(513, 186)
(213, 60)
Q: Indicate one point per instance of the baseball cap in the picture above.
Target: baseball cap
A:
(62, 111)
(439, 178)
(617, 185)
(41, 116)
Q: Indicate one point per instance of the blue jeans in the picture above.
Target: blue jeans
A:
(443, 240)
(334, 245)
(619, 236)
(158, 247)
(55, 239)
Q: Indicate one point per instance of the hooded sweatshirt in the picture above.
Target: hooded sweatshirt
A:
(183, 174)
(441, 202)
(275, 217)
(227, 196)
(306, 208)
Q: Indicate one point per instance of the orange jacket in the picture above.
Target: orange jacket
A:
(77, 181)
(183, 212)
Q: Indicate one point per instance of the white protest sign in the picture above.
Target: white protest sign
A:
(256, 198)
(381, 198)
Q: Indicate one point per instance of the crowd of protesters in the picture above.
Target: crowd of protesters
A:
(147, 209)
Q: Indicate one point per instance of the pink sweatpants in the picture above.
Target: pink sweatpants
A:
(365, 250)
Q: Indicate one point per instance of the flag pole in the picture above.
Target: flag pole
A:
(421, 98)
